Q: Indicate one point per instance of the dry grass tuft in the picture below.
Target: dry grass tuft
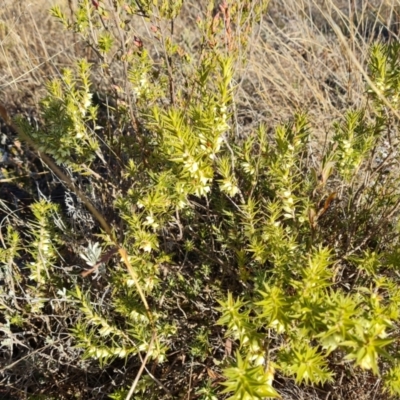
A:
(33, 47)
(298, 61)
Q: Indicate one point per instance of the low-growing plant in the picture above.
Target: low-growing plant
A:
(242, 259)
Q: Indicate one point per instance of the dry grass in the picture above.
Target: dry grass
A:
(33, 47)
(298, 61)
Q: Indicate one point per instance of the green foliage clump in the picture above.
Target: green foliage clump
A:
(296, 252)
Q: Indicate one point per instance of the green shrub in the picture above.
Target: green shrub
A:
(296, 248)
